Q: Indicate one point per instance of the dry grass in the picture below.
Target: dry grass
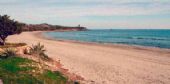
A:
(13, 45)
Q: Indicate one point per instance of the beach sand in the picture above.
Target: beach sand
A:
(105, 63)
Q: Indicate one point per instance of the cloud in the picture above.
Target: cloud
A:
(36, 11)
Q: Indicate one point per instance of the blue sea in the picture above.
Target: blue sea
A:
(143, 37)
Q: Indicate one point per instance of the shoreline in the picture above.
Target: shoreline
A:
(104, 63)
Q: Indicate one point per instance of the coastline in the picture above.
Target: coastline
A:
(105, 63)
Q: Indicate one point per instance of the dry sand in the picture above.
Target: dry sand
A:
(107, 64)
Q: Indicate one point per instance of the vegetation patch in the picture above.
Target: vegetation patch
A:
(39, 51)
(16, 70)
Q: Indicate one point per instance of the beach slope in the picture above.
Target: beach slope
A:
(106, 64)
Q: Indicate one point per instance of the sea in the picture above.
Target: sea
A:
(143, 37)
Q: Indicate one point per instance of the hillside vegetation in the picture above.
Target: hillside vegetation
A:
(48, 27)
(16, 70)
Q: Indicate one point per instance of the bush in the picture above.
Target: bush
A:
(38, 50)
(9, 52)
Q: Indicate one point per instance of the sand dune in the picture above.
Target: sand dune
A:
(107, 64)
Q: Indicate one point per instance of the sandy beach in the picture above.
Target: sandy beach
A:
(105, 63)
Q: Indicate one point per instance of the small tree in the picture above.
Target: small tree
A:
(8, 27)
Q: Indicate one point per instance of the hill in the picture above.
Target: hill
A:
(49, 27)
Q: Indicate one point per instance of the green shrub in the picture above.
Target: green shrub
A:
(53, 77)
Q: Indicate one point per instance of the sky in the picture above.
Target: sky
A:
(118, 14)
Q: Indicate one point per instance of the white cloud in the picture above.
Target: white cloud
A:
(57, 10)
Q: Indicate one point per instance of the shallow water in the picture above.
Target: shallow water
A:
(144, 37)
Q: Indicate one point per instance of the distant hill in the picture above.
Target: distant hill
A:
(48, 27)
